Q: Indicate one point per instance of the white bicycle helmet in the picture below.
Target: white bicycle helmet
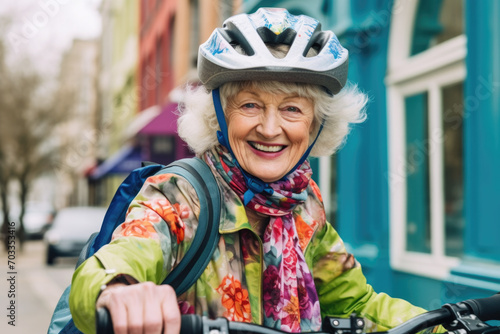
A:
(219, 62)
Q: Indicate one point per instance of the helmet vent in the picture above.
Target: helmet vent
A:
(235, 38)
(287, 36)
(317, 42)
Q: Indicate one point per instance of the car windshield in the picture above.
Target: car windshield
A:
(79, 221)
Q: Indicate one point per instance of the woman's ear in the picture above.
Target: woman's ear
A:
(314, 128)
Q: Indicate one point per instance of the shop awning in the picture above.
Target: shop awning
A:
(122, 162)
(163, 124)
(141, 120)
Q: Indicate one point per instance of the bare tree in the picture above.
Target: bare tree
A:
(4, 181)
(29, 113)
(5, 170)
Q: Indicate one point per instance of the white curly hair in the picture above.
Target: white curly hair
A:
(197, 124)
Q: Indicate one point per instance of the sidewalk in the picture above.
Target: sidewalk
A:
(37, 289)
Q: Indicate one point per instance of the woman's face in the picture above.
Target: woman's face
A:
(269, 132)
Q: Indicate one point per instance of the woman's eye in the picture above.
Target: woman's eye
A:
(250, 105)
(292, 109)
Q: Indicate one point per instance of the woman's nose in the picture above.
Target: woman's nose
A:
(270, 123)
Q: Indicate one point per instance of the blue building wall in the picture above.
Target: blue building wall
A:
(479, 273)
(366, 220)
(363, 218)
(362, 187)
(482, 105)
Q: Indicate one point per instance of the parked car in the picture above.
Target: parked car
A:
(70, 231)
(38, 217)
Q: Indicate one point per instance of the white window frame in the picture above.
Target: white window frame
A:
(428, 71)
(325, 180)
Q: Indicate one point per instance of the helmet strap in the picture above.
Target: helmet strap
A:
(306, 153)
(254, 184)
(222, 135)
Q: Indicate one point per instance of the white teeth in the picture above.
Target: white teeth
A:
(267, 148)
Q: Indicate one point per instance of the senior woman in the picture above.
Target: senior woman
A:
(273, 93)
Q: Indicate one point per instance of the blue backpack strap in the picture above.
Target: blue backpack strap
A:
(118, 207)
(185, 274)
(196, 259)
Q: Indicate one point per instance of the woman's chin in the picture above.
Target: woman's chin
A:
(268, 175)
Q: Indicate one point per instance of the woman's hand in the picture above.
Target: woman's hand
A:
(142, 308)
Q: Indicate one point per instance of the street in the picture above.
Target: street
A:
(28, 304)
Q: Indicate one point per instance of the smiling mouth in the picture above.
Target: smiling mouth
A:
(267, 148)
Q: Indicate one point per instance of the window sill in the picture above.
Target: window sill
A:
(426, 265)
(476, 274)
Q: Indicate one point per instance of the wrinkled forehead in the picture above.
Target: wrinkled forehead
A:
(231, 89)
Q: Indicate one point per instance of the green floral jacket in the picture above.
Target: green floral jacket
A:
(160, 226)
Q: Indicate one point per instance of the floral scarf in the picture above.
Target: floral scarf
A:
(289, 294)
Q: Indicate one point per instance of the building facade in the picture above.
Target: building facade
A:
(149, 49)
(79, 94)
(156, 73)
(118, 100)
(170, 33)
(414, 192)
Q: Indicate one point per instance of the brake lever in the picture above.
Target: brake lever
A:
(466, 322)
(351, 325)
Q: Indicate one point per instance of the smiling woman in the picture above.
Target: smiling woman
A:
(273, 92)
(269, 132)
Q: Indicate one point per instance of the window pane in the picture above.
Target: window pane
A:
(453, 168)
(417, 174)
(451, 19)
(436, 22)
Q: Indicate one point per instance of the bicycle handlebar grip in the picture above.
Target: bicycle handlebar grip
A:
(485, 308)
(191, 323)
(103, 322)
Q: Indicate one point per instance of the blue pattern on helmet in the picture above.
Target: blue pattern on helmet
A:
(335, 48)
(215, 45)
(311, 27)
(292, 20)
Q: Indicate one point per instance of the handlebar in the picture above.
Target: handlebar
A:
(485, 308)
(195, 324)
(465, 317)
(192, 323)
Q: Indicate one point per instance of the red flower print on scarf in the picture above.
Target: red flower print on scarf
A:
(234, 299)
(289, 256)
(304, 303)
(272, 292)
(277, 230)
